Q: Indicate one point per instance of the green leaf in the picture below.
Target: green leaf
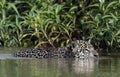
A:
(118, 32)
(115, 17)
(101, 1)
(110, 5)
(14, 7)
(73, 8)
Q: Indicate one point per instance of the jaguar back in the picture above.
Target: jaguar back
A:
(77, 49)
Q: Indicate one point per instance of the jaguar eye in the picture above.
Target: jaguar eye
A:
(87, 50)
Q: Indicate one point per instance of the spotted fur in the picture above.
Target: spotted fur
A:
(83, 49)
(77, 49)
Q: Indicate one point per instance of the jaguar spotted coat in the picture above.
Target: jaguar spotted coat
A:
(77, 49)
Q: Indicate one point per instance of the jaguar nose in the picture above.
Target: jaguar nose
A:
(96, 54)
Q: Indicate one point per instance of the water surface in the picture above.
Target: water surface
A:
(24, 67)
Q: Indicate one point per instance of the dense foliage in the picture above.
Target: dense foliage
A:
(57, 22)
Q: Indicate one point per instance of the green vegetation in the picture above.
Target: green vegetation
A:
(57, 22)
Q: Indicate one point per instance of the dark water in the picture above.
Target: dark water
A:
(19, 67)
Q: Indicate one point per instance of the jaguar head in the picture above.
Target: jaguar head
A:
(83, 49)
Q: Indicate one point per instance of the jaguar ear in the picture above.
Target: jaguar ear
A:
(89, 41)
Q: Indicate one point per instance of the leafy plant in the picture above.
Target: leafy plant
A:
(37, 22)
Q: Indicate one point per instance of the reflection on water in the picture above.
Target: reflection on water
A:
(19, 67)
(45, 67)
(84, 66)
(107, 67)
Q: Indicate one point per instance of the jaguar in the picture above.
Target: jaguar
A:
(77, 49)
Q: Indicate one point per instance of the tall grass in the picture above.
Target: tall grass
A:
(39, 22)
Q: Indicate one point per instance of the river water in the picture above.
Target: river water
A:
(24, 67)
